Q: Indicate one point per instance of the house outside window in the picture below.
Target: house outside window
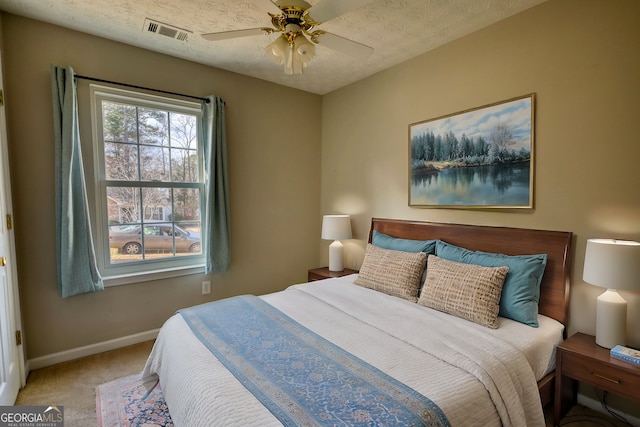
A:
(149, 183)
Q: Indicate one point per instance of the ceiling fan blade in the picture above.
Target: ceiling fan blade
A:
(342, 45)
(329, 9)
(223, 35)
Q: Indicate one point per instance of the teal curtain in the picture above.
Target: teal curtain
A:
(216, 217)
(77, 269)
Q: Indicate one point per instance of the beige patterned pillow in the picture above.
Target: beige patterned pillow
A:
(395, 273)
(469, 291)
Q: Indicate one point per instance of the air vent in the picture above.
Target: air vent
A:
(166, 30)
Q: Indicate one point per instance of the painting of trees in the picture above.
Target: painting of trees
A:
(480, 157)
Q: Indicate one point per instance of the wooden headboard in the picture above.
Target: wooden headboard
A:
(554, 289)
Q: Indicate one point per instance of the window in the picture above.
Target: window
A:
(150, 182)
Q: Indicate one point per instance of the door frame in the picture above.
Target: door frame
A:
(11, 267)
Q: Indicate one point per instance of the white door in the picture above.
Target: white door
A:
(11, 354)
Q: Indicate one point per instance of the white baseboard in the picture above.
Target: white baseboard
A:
(597, 406)
(88, 350)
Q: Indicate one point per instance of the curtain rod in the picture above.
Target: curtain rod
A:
(141, 87)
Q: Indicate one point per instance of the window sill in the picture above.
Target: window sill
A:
(128, 279)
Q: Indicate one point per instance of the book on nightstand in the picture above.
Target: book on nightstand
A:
(626, 353)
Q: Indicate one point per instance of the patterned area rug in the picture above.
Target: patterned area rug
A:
(119, 403)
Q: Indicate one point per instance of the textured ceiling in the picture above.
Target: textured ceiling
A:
(396, 29)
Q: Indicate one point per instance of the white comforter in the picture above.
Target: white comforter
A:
(477, 376)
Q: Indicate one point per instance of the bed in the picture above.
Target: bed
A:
(346, 351)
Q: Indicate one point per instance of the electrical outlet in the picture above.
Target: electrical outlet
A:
(206, 287)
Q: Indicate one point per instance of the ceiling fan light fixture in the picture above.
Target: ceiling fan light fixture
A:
(294, 54)
(277, 50)
(305, 50)
(296, 45)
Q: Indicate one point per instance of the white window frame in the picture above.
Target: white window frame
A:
(144, 270)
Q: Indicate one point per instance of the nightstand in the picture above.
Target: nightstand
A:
(580, 358)
(324, 273)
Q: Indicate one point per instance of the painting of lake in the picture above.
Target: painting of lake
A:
(477, 158)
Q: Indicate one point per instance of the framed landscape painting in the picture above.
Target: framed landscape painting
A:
(478, 158)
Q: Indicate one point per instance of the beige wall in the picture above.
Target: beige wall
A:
(275, 220)
(581, 58)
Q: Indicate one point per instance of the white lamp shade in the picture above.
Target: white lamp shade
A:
(336, 227)
(612, 264)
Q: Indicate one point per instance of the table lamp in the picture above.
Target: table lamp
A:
(336, 228)
(615, 265)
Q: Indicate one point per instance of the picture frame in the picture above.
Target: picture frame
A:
(480, 158)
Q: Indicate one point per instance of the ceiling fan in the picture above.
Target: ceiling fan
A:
(297, 21)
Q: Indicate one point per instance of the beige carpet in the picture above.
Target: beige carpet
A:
(73, 384)
(581, 416)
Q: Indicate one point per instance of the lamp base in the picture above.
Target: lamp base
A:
(336, 258)
(611, 319)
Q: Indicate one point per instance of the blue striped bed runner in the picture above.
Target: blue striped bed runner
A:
(302, 378)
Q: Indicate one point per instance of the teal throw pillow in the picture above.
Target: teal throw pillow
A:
(406, 245)
(521, 289)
